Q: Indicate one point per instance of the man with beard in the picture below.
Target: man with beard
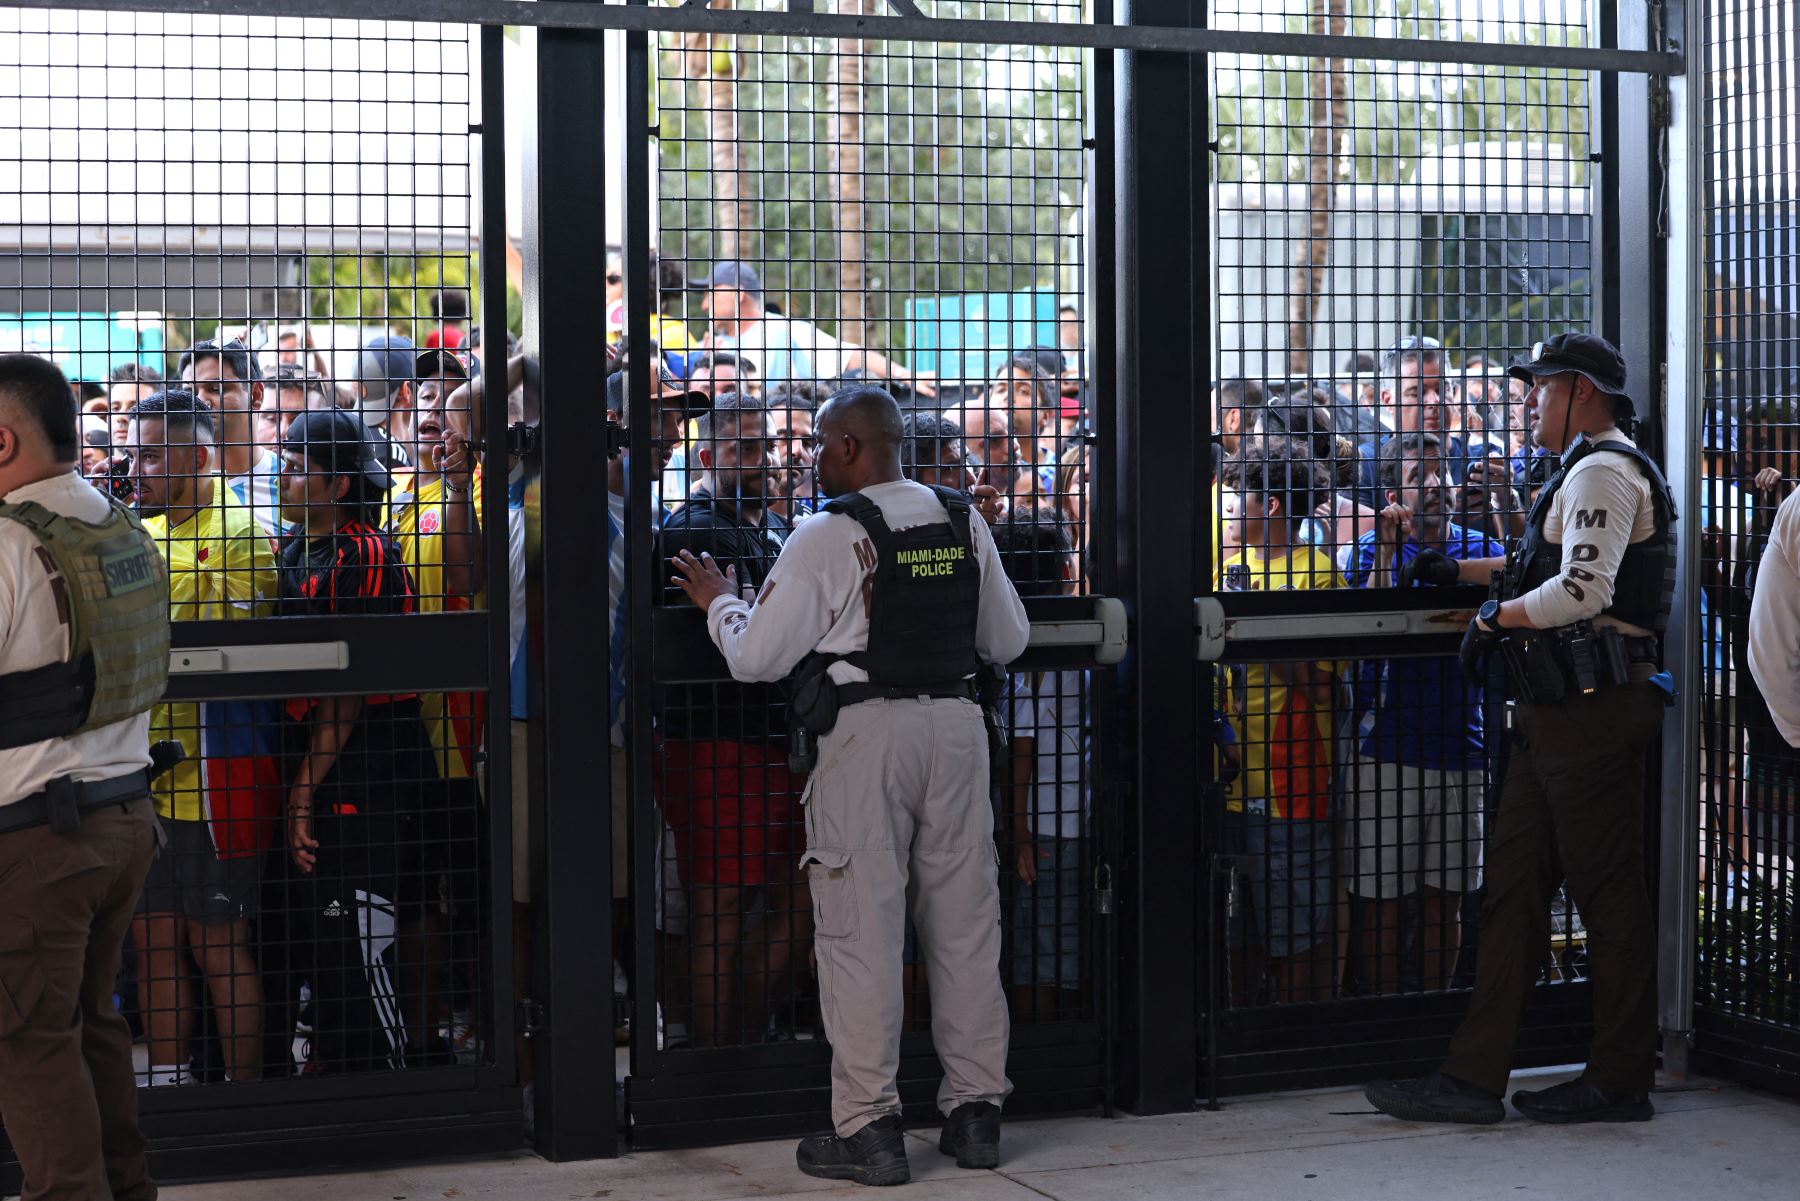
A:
(1414, 821)
(216, 806)
(722, 769)
(792, 407)
(226, 376)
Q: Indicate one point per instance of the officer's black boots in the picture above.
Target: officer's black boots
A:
(972, 1134)
(1578, 1101)
(1435, 1098)
(876, 1154)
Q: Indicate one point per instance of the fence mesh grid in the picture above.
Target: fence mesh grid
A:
(1749, 440)
(907, 215)
(1387, 237)
(236, 237)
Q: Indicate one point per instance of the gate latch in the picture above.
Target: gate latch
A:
(521, 440)
(529, 1017)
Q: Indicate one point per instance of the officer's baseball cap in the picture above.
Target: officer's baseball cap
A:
(385, 364)
(335, 442)
(729, 274)
(1586, 355)
(665, 388)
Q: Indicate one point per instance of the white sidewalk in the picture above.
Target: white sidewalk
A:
(1705, 1141)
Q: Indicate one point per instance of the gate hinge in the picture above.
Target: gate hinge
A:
(529, 1017)
(521, 440)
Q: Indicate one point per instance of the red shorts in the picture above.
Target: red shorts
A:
(734, 808)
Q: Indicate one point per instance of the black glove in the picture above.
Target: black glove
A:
(1431, 566)
(1478, 642)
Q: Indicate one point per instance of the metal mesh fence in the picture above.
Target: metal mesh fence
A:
(247, 243)
(1749, 437)
(910, 216)
(1386, 238)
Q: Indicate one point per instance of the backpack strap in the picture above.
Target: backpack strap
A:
(864, 512)
(958, 505)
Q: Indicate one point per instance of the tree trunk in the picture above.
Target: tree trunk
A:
(711, 61)
(848, 68)
(1327, 91)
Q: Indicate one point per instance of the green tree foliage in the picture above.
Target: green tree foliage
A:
(973, 176)
(1401, 113)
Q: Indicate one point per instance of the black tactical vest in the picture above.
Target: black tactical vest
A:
(923, 598)
(1644, 588)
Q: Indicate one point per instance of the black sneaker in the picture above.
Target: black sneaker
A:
(972, 1135)
(874, 1155)
(1435, 1098)
(1579, 1101)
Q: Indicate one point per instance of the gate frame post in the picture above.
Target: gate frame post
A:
(1163, 290)
(1684, 391)
(565, 168)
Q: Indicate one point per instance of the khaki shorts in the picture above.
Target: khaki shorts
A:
(1411, 827)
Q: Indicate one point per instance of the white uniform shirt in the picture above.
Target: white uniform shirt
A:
(814, 598)
(31, 636)
(1602, 506)
(1775, 621)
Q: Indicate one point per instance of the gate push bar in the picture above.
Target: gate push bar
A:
(1215, 632)
(1103, 632)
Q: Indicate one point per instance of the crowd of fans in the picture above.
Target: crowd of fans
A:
(316, 910)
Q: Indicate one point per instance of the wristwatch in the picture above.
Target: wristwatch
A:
(1489, 616)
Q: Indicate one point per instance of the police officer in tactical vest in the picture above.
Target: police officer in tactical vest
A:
(885, 608)
(84, 654)
(1581, 602)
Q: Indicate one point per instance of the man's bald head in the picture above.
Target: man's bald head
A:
(866, 413)
(858, 434)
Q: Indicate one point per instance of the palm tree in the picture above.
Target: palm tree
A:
(710, 60)
(1327, 121)
(848, 70)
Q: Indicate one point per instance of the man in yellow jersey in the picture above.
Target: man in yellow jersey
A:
(1278, 808)
(202, 889)
(434, 514)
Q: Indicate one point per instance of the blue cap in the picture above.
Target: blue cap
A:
(729, 274)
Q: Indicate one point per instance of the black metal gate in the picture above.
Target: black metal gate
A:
(1742, 439)
(230, 185)
(819, 203)
(1385, 237)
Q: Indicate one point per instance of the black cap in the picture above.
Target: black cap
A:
(693, 401)
(334, 441)
(1584, 354)
(439, 361)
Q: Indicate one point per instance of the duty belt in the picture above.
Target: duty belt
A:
(63, 801)
(856, 694)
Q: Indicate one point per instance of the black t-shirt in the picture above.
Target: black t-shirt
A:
(357, 569)
(732, 711)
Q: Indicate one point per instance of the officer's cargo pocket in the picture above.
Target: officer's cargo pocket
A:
(21, 976)
(828, 877)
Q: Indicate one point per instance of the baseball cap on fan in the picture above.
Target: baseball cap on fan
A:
(385, 364)
(693, 401)
(729, 274)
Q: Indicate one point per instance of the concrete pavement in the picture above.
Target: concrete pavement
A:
(1706, 1140)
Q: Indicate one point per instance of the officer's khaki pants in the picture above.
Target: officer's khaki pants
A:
(898, 810)
(67, 1094)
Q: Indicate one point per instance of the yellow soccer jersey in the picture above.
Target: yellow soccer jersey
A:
(416, 519)
(1283, 733)
(220, 567)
